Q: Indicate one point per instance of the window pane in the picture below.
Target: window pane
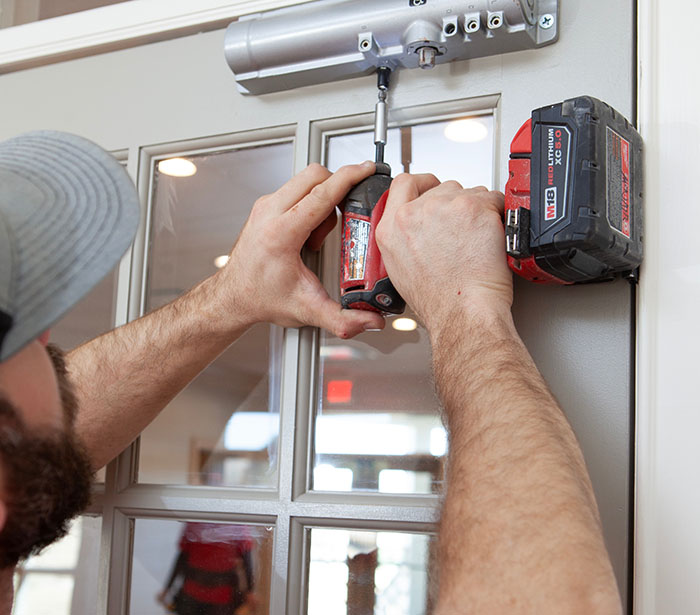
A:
(380, 573)
(45, 594)
(17, 12)
(62, 580)
(460, 149)
(196, 567)
(222, 429)
(91, 317)
(377, 424)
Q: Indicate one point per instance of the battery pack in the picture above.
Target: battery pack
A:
(574, 198)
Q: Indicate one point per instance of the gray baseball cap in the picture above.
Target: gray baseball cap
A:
(68, 212)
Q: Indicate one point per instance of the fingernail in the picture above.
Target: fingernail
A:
(367, 163)
(370, 329)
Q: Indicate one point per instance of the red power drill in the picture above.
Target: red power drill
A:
(574, 206)
(364, 283)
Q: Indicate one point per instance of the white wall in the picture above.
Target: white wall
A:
(668, 470)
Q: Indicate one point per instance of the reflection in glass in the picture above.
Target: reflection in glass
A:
(62, 579)
(377, 424)
(200, 568)
(435, 147)
(222, 429)
(364, 573)
(90, 317)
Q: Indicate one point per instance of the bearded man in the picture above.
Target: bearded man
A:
(520, 530)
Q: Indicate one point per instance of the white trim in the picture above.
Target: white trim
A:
(645, 478)
(667, 538)
(117, 26)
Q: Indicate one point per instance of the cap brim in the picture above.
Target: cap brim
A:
(73, 212)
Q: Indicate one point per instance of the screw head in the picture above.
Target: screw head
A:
(546, 21)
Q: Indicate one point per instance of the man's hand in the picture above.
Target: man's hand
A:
(265, 278)
(443, 247)
(125, 377)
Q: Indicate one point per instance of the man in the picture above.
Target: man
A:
(520, 529)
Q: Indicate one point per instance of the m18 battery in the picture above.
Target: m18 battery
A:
(574, 198)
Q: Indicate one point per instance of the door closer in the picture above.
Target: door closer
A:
(329, 40)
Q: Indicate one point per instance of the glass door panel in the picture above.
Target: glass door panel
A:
(364, 573)
(200, 567)
(62, 579)
(222, 429)
(17, 12)
(377, 426)
(91, 317)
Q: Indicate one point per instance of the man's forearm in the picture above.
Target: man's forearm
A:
(520, 528)
(125, 377)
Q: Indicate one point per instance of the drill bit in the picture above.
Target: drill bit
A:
(381, 113)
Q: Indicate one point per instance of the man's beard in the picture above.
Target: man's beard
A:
(46, 475)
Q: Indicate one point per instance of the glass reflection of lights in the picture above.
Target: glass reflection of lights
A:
(404, 324)
(469, 130)
(177, 167)
(220, 261)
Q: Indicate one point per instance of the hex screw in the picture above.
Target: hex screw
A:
(495, 21)
(426, 57)
(546, 21)
(365, 44)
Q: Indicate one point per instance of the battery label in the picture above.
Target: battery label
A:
(355, 244)
(618, 155)
(556, 145)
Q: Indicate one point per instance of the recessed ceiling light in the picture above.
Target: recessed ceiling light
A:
(177, 167)
(404, 324)
(220, 261)
(466, 131)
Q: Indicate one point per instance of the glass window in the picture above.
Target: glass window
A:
(17, 12)
(222, 429)
(92, 316)
(62, 579)
(359, 572)
(377, 425)
(193, 567)
(89, 318)
(460, 149)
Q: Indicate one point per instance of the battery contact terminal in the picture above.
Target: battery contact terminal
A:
(518, 232)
